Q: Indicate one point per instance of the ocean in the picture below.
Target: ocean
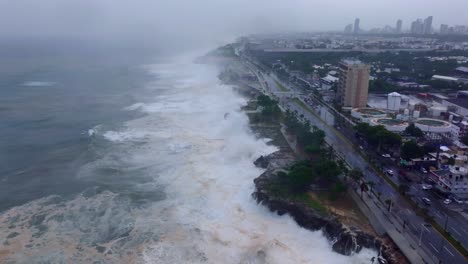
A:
(133, 161)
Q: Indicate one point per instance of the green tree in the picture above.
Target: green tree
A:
(464, 139)
(378, 135)
(300, 176)
(413, 131)
(403, 188)
(356, 174)
(411, 150)
(364, 188)
(327, 170)
(371, 184)
(451, 161)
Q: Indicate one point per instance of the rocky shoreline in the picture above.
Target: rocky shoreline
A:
(346, 240)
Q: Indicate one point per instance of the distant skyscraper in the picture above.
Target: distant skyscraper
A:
(427, 25)
(353, 85)
(348, 29)
(444, 28)
(417, 27)
(356, 26)
(399, 25)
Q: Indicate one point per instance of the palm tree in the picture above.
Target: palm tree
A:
(364, 188)
(356, 174)
(389, 203)
(371, 184)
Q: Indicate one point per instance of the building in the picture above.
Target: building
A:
(452, 181)
(457, 105)
(427, 25)
(444, 28)
(399, 25)
(462, 71)
(436, 129)
(353, 85)
(417, 27)
(356, 26)
(393, 101)
(348, 29)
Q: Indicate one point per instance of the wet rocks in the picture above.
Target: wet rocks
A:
(346, 240)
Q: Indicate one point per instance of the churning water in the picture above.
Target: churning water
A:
(171, 185)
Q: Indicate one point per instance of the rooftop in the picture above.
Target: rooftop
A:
(352, 61)
(463, 102)
(462, 69)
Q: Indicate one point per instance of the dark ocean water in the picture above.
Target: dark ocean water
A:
(110, 157)
(48, 102)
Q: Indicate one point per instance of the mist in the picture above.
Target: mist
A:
(188, 23)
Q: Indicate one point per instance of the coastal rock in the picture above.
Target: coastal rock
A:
(346, 241)
(261, 162)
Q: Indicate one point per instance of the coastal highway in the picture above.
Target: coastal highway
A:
(415, 226)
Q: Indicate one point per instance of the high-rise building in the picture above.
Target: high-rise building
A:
(348, 29)
(444, 28)
(399, 25)
(417, 27)
(353, 85)
(356, 26)
(427, 25)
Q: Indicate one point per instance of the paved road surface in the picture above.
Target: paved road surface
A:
(415, 226)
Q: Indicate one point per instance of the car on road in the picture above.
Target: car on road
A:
(426, 200)
(447, 201)
(423, 170)
(457, 200)
(386, 155)
(426, 187)
(389, 172)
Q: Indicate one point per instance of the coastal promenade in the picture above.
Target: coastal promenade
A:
(433, 248)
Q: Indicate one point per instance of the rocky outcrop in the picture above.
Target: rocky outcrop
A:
(346, 240)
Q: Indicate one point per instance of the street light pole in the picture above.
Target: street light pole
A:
(446, 220)
(420, 236)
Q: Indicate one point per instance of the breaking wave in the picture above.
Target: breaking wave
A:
(173, 186)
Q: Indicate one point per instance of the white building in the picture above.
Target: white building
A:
(394, 101)
(452, 181)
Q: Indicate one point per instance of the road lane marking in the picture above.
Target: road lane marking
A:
(409, 211)
(449, 252)
(426, 228)
(433, 247)
(456, 231)
(464, 230)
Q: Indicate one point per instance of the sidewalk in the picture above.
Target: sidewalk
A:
(406, 244)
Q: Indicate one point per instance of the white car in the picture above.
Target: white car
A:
(389, 172)
(386, 155)
(457, 200)
(426, 187)
(447, 201)
(426, 200)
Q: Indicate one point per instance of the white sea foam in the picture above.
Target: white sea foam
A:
(38, 84)
(210, 189)
(204, 163)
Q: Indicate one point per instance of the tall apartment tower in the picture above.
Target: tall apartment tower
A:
(353, 85)
(444, 28)
(356, 25)
(427, 25)
(399, 25)
(417, 27)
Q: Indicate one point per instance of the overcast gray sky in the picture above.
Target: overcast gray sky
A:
(211, 19)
